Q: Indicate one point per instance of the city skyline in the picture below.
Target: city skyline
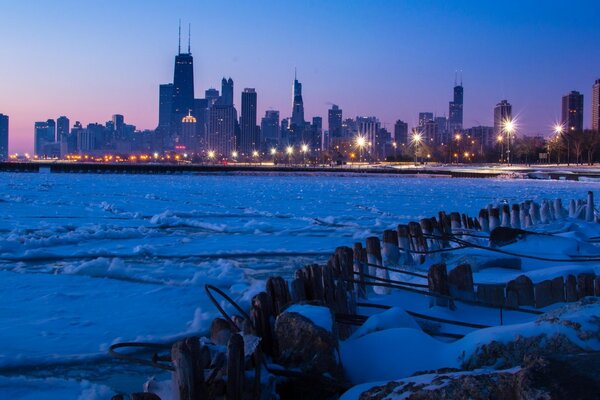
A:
(534, 84)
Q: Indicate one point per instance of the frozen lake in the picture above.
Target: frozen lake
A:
(89, 260)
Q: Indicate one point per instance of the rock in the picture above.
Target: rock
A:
(305, 345)
(553, 377)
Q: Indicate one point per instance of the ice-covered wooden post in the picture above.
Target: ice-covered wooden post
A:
(437, 280)
(545, 212)
(559, 211)
(484, 220)
(585, 285)
(404, 245)
(505, 216)
(261, 313)
(571, 289)
(374, 259)
(427, 228)
(278, 290)
(455, 223)
(359, 270)
(534, 213)
(515, 214)
(189, 371)
(589, 210)
(419, 245)
(235, 368)
(494, 218)
(572, 209)
(460, 282)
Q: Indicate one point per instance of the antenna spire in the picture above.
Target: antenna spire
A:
(295, 74)
(179, 48)
(461, 78)
(190, 38)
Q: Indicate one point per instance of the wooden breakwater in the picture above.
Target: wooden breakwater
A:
(224, 367)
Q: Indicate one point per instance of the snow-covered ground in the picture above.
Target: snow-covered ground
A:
(89, 260)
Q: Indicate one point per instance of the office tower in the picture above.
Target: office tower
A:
(572, 112)
(502, 114)
(335, 122)
(249, 140)
(3, 137)
(51, 135)
(62, 134)
(269, 129)
(211, 96)
(118, 121)
(425, 117)
(227, 92)
(297, 120)
(455, 115)
(401, 132)
(483, 135)
(165, 105)
(442, 130)
(368, 128)
(201, 113)
(221, 130)
(315, 140)
(183, 86)
(187, 140)
(596, 105)
(40, 137)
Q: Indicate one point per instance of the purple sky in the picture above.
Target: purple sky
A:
(91, 59)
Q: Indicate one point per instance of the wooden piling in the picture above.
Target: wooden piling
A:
(418, 243)
(585, 285)
(484, 220)
(374, 257)
(189, 372)
(235, 368)
(359, 271)
(437, 281)
(494, 218)
(278, 291)
(589, 208)
(515, 216)
(404, 246)
(570, 289)
(261, 314)
(505, 219)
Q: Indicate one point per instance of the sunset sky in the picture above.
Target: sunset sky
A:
(391, 59)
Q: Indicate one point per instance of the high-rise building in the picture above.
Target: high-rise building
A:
(269, 129)
(118, 122)
(596, 105)
(368, 127)
(40, 137)
(187, 139)
(227, 92)
(249, 140)
(502, 114)
(297, 120)
(221, 130)
(335, 122)
(425, 117)
(442, 130)
(315, 141)
(165, 105)
(62, 134)
(183, 86)
(211, 96)
(572, 111)
(401, 133)
(3, 137)
(455, 115)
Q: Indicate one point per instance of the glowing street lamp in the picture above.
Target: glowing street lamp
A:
(273, 151)
(289, 151)
(234, 154)
(500, 140)
(211, 155)
(416, 139)
(559, 129)
(360, 142)
(508, 126)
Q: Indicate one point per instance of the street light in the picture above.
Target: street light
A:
(499, 140)
(211, 155)
(508, 126)
(255, 155)
(234, 154)
(289, 151)
(304, 150)
(559, 129)
(361, 142)
(417, 137)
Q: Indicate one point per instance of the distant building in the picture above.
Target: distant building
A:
(400, 133)
(502, 114)
(211, 95)
(596, 105)
(44, 136)
(425, 117)
(3, 137)
(183, 86)
(315, 141)
(483, 135)
(249, 140)
(297, 121)
(455, 114)
(572, 111)
(63, 134)
(221, 130)
(368, 128)
(442, 130)
(165, 106)
(269, 129)
(227, 92)
(187, 139)
(335, 122)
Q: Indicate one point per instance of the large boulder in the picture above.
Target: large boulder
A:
(306, 338)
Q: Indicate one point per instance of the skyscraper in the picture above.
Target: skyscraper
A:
(297, 120)
(596, 105)
(368, 127)
(572, 111)
(227, 92)
(455, 115)
(502, 113)
(183, 86)
(3, 137)
(62, 134)
(425, 117)
(221, 130)
(211, 96)
(165, 105)
(269, 129)
(187, 139)
(400, 132)
(249, 140)
(335, 121)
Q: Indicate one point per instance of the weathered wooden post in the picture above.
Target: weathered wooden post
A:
(572, 209)
(543, 294)
(278, 291)
(455, 223)
(374, 258)
(406, 257)
(558, 290)
(359, 271)
(494, 218)
(522, 287)
(484, 220)
(189, 371)
(460, 282)
(445, 225)
(585, 285)
(505, 216)
(589, 210)
(260, 314)
(437, 280)
(515, 214)
(235, 368)
(418, 242)
(571, 289)
(545, 212)
(534, 213)
(220, 331)
(427, 229)
(559, 210)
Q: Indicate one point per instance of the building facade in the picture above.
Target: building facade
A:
(249, 140)
(596, 105)
(3, 137)
(572, 112)
(502, 114)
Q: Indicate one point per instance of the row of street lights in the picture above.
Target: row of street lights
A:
(289, 151)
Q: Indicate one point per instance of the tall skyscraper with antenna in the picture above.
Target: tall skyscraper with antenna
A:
(297, 121)
(183, 85)
(455, 114)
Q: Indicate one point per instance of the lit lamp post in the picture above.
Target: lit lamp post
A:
(273, 153)
(289, 151)
(559, 129)
(499, 140)
(457, 137)
(255, 155)
(211, 155)
(361, 142)
(509, 128)
(234, 155)
(417, 137)
(304, 150)
(395, 145)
